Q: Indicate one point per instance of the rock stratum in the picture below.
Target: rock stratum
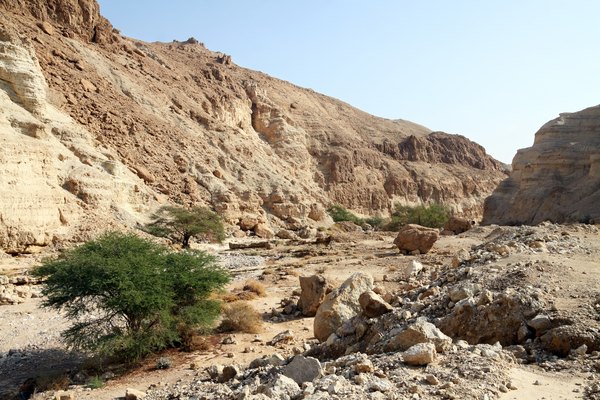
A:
(557, 179)
(97, 130)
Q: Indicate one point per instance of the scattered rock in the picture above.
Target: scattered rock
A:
(410, 270)
(313, 291)
(420, 354)
(303, 369)
(419, 332)
(373, 305)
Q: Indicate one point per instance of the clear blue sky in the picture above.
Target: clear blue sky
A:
(491, 70)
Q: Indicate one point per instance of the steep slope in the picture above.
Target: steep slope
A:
(183, 124)
(557, 179)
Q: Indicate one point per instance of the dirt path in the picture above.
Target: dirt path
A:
(534, 384)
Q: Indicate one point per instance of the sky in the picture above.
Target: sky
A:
(494, 71)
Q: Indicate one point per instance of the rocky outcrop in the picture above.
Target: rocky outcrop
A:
(58, 183)
(79, 18)
(557, 179)
(175, 122)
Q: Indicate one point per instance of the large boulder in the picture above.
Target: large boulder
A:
(341, 304)
(313, 291)
(414, 237)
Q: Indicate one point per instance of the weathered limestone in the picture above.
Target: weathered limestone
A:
(557, 179)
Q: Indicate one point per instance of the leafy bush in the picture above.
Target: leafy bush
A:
(339, 214)
(180, 224)
(240, 316)
(128, 296)
(432, 215)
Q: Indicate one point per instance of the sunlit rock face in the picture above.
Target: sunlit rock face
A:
(556, 179)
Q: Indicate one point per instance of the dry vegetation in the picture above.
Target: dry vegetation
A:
(240, 316)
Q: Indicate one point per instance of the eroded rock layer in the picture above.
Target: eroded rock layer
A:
(97, 125)
(557, 179)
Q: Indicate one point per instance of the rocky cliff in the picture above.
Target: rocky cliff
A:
(99, 129)
(557, 179)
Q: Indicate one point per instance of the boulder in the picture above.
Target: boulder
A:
(263, 231)
(541, 323)
(419, 332)
(415, 237)
(420, 354)
(373, 304)
(341, 304)
(248, 223)
(303, 369)
(314, 288)
(457, 225)
(229, 372)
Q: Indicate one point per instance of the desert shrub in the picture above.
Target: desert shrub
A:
(339, 214)
(240, 316)
(179, 225)
(95, 382)
(255, 287)
(52, 381)
(432, 215)
(128, 296)
(375, 222)
(163, 363)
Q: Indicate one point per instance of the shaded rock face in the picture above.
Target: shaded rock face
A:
(196, 129)
(557, 179)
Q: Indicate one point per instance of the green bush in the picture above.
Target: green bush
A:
(180, 224)
(128, 296)
(95, 382)
(339, 214)
(432, 215)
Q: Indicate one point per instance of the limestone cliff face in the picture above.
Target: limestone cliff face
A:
(56, 182)
(109, 127)
(557, 179)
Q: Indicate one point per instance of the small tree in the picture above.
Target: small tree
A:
(128, 296)
(179, 224)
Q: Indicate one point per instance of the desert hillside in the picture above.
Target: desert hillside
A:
(95, 127)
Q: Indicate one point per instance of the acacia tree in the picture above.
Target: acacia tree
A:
(128, 296)
(179, 224)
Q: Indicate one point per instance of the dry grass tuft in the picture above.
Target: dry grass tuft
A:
(240, 316)
(247, 296)
(255, 287)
